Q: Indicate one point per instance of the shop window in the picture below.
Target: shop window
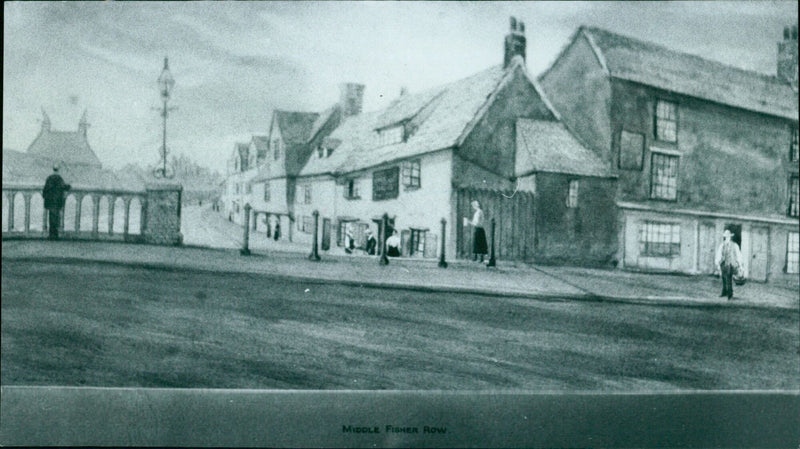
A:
(417, 244)
(659, 239)
(792, 251)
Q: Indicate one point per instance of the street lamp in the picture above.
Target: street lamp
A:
(165, 84)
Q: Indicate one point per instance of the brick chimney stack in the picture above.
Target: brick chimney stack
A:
(83, 125)
(787, 55)
(352, 98)
(515, 41)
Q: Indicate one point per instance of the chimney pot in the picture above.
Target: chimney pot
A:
(515, 43)
(352, 98)
(513, 23)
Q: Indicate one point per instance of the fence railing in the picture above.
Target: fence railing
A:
(96, 214)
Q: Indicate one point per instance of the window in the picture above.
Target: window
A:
(631, 150)
(417, 244)
(666, 121)
(237, 187)
(248, 188)
(307, 195)
(351, 190)
(792, 250)
(307, 224)
(266, 191)
(411, 174)
(391, 135)
(276, 145)
(664, 176)
(572, 196)
(659, 239)
(385, 184)
(793, 196)
(320, 151)
(793, 152)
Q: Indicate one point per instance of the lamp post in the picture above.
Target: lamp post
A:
(165, 84)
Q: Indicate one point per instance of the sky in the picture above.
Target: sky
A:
(234, 62)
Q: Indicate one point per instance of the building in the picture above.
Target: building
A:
(492, 136)
(698, 147)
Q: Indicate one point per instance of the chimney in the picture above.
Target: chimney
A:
(352, 98)
(83, 125)
(787, 55)
(45, 121)
(514, 42)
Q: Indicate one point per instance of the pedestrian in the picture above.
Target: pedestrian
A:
(479, 246)
(53, 194)
(729, 261)
(371, 243)
(393, 245)
(277, 234)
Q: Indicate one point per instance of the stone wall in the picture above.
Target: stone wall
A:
(162, 216)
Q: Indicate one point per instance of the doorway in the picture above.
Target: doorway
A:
(736, 229)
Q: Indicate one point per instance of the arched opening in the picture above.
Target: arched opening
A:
(135, 217)
(5, 212)
(37, 212)
(87, 213)
(19, 212)
(102, 215)
(69, 213)
(119, 216)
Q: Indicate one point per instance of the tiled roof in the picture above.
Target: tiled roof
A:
(32, 170)
(70, 147)
(547, 146)
(651, 64)
(295, 126)
(323, 119)
(455, 107)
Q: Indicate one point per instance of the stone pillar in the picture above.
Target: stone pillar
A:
(162, 214)
(245, 251)
(12, 196)
(112, 202)
(127, 202)
(95, 213)
(78, 202)
(442, 262)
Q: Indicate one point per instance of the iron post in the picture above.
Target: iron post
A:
(442, 262)
(383, 260)
(245, 251)
(314, 256)
(492, 260)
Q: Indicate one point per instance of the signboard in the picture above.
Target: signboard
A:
(385, 184)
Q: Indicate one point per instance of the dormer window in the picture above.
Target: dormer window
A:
(389, 136)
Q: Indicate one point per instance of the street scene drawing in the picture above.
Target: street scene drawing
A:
(401, 196)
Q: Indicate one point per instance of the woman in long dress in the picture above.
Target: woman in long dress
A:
(479, 246)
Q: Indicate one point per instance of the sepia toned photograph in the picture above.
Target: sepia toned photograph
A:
(400, 224)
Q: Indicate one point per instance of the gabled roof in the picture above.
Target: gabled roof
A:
(547, 146)
(451, 112)
(31, 170)
(323, 119)
(295, 126)
(261, 144)
(658, 66)
(67, 146)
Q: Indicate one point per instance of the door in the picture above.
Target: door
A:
(759, 245)
(707, 248)
(326, 234)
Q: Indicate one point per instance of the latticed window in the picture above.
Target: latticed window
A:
(248, 188)
(411, 174)
(792, 251)
(794, 191)
(351, 189)
(793, 151)
(307, 194)
(572, 196)
(417, 245)
(659, 239)
(266, 191)
(666, 121)
(664, 176)
(391, 135)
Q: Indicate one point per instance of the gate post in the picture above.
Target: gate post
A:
(245, 251)
(492, 260)
(442, 262)
(383, 260)
(314, 256)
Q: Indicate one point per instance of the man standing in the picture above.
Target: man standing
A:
(728, 259)
(53, 194)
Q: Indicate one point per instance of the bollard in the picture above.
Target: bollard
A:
(492, 261)
(442, 263)
(314, 256)
(383, 260)
(245, 251)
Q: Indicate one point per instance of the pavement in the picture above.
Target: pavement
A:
(507, 279)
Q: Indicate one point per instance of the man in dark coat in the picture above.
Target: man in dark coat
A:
(53, 194)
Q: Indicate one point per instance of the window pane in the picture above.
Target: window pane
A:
(659, 239)
(664, 176)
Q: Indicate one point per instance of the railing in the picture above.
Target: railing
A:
(96, 214)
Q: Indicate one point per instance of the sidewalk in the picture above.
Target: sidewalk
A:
(551, 283)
